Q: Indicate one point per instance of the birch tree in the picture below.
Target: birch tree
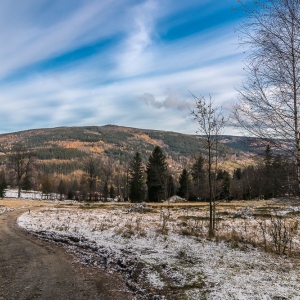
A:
(210, 125)
(268, 105)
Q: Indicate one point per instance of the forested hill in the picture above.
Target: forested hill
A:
(69, 145)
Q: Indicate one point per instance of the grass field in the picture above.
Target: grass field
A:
(163, 248)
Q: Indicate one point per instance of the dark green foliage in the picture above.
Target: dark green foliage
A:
(70, 195)
(183, 190)
(105, 191)
(26, 184)
(91, 167)
(62, 189)
(156, 175)
(112, 193)
(60, 168)
(268, 158)
(225, 192)
(170, 186)
(59, 153)
(237, 173)
(3, 184)
(199, 176)
(136, 179)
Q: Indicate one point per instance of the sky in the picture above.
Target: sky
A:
(131, 63)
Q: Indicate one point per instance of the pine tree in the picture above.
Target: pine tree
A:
(199, 175)
(112, 192)
(156, 175)
(183, 190)
(62, 189)
(3, 184)
(170, 186)
(225, 192)
(136, 180)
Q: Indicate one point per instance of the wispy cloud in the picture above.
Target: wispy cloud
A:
(139, 78)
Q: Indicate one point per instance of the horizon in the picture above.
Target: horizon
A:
(114, 125)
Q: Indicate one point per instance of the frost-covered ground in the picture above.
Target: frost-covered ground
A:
(157, 258)
(5, 209)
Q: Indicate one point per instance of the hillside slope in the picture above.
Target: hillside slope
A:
(64, 148)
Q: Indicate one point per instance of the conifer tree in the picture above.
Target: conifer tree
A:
(170, 186)
(156, 175)
(3, 184)
(199, 176)
(183, 190)
(136, 180)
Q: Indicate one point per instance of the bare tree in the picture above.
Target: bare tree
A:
(21, 163)
(92, 166)
(269, 97)
(107, 170)
(210, 124)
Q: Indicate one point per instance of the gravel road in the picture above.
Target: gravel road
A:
(34, 269)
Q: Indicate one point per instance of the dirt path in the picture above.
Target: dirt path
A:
(34, 269)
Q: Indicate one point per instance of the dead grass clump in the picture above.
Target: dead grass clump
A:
(165, 218)
(131, 228)
(279, 233)
(193, 227)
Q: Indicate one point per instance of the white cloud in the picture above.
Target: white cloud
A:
(114, 86)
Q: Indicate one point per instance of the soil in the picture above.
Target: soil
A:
(31, 268)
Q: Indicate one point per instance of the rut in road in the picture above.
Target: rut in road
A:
(34, 269)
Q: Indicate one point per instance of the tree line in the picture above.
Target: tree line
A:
(155, 181)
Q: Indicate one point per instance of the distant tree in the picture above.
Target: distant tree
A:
(156, 175)
(237, 184)
(198, 170)
(136, 179)
(46, 184)
(184, 183)
(21, 164)
(105, 191)
(171, 190)
(26, 184)
(92, 171)
(225, 190)
(70, 195)
(237, 173)
(106, 175)
(62, 189)
(112, 193)
(3, 184)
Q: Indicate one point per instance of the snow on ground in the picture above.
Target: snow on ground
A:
(156, 257)
(5, 209)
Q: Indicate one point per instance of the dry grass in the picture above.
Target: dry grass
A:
(20, 203)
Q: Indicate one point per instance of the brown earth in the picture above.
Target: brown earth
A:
(34, 269)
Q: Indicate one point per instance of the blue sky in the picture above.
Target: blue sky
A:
(130, 63)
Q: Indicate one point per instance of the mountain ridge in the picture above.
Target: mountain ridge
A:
(72, 144)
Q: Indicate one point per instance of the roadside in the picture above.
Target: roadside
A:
(33, 269)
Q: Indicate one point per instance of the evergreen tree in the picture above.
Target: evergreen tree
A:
(225, 192)
(136, 180)
(170, 186)
(156, 175)
(26, 184)
(62, 189)
(268, 173)
(268, 158)
(183, 190)
(199, 176)
(112, 192)
(237, 173)
(3, 184)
